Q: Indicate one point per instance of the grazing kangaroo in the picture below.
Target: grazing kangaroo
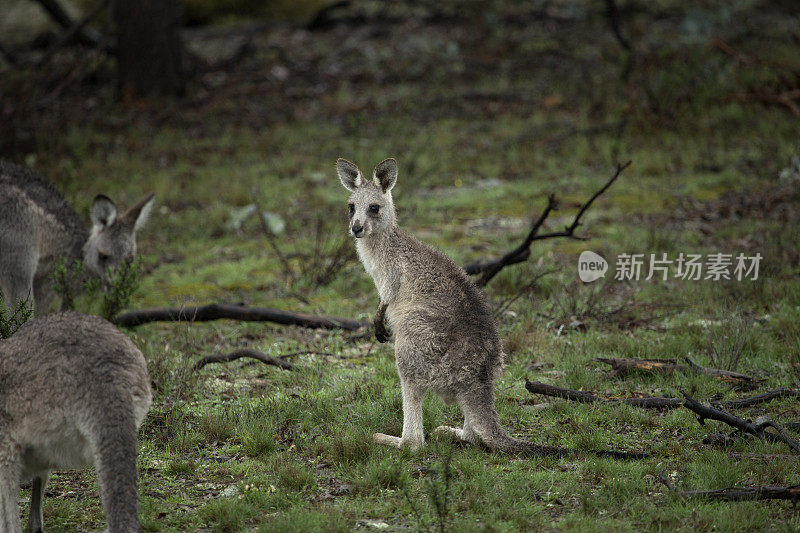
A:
(37, 226)
(446, 338)
(73, 390)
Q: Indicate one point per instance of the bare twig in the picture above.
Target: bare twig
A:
(665, 480)
(57, 13)
(613, 19)
(760, 430)
(489, 269)
(244, 353)
(271, 238)
(205, 313)
(74, 31)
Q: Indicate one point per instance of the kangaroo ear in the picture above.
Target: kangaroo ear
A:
(385, 174)
(103, 211)
(349, 174)
(138, 214)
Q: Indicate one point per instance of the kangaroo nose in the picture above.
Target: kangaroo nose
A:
(357, 229)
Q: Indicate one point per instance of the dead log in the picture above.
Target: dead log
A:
(206, 313)
(489, 269)
(244, 353)
(623, 365)
(758, 429)
(536, 387)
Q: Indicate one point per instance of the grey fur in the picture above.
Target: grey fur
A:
(38, 226)
(73, 390)
(446, 338)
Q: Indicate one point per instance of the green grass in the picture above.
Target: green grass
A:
(242, 446)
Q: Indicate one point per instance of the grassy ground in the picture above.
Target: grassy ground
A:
(486, 116)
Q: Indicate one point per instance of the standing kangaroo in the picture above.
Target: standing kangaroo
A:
(446, 338)
(38, 226)
(73, 390)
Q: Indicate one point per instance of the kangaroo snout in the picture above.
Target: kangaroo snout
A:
(357, 229)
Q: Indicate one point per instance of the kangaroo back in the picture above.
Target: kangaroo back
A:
(38, 226)
(73, 390)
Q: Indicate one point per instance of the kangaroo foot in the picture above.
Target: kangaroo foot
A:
(397, 442)
(458, 433)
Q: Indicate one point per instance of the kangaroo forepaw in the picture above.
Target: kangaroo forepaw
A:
(381, 333)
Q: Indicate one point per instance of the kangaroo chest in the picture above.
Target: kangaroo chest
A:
(377, 268)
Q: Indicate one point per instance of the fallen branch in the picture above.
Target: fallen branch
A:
(654, 402)
(723, 375)
(205, 313)
(536, 387)
(766, 456)
(271, 237)
(489, 269)
(758, 429)
(760, 398)
(622, 365)
(244, 353)
(735, 494)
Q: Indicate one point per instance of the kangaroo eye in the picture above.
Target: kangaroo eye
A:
(352, 208)
(374, 208)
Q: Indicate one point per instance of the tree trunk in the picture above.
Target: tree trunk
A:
(149, 49)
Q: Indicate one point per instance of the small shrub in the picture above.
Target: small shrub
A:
(731, 342)
(295, 476)
(123, 282)
(260, 441)
(69, 280)
(218, 425)
(348, 447)
(13, 319)
(228, 514)
(180, 467)
(384, 474)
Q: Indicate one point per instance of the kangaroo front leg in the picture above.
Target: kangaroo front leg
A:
(9, 485)
(379, 323)
(35, 522)
(413, 434)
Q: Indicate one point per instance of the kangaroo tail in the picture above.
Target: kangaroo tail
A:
(481, 419)
(112, 436)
